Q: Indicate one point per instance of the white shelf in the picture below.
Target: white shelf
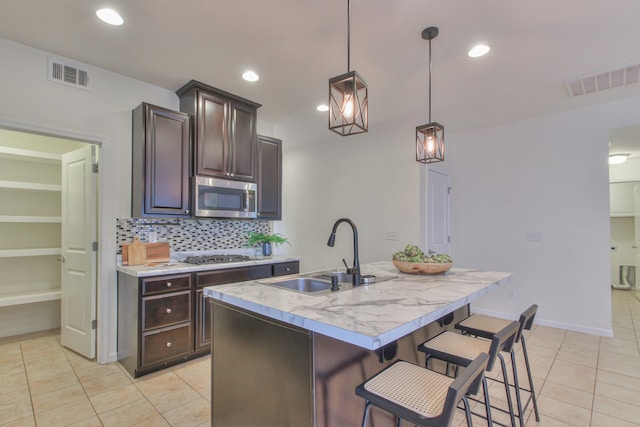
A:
(32, 219)
(33, 186)
(17, 298)
(14, 253)
(30, 155)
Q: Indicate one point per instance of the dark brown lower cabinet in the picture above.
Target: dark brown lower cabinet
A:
(165, 320)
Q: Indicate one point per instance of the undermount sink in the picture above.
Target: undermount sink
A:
(321, 281)
(300, 284)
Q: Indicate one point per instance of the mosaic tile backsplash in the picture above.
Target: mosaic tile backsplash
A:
(190, 234)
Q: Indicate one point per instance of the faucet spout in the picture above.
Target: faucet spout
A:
(355, 270)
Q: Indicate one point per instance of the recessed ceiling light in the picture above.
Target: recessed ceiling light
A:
(110, 16)
(250, 76)
(322, 107)
(479, 50)
(616, 159)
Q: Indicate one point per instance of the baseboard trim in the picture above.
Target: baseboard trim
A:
(550, 323)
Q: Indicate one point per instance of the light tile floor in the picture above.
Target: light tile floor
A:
(581, 380)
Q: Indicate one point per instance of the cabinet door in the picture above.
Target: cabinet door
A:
(269, 178)
(160, 169)
(203, 321)
(212, 131)
(243, 142)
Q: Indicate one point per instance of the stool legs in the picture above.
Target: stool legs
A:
(517, 386)
(533, 393)
(485, 392)
(505, 376)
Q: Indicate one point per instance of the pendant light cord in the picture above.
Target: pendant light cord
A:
(348, 35)
(430, 80)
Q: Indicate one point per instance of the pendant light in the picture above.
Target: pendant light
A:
(348, 96)
(430, 137)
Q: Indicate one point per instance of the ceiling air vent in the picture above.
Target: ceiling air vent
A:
(595, 82)
(68, 74)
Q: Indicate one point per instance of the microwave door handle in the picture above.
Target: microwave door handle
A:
(246, 201)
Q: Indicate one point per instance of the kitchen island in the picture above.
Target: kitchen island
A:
(281, 357)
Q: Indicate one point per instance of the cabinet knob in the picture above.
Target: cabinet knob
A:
(186, 211)
(168, 284)
(168, 344)
(168, 311)
(288, 269)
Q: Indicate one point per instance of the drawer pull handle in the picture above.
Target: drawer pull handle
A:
(168, 284)
(168, 311)
(168, 344)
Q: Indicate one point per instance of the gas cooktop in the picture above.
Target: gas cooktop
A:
(215, 259)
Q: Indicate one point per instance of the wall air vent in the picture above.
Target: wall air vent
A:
(68, 73)
(603, 80)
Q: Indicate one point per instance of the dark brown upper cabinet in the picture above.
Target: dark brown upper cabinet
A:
(225, 140)
(269, 178)
(161, 145)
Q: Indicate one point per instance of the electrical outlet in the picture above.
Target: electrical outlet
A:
(392, 235)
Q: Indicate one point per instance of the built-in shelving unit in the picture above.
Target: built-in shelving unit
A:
(30, 186)
(30, 221)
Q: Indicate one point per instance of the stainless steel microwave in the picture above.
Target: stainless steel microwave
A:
(222, 198)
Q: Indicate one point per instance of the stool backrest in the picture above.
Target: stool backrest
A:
(471, 375)
(502, 341)
(526, 320)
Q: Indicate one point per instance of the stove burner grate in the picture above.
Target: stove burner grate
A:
(215, 259)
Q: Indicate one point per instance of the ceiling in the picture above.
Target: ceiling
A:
(297, 45)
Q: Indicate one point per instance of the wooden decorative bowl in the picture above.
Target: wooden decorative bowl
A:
(422, 267)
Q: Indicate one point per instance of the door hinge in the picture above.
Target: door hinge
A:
(94, 246)
(94, 324)
(449, 190)
(448, 239)
(95, 167)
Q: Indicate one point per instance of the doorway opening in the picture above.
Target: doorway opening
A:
(624, 193)
(40, 180)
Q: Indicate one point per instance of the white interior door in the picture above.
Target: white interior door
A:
(78, 305)
(438, 213)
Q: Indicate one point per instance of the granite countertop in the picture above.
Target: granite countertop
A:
(176, 267)
(367, 316)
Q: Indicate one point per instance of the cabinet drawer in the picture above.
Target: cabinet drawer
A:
(165, 310)
(233, 275)
(285, 268)
(165, 344)
(165, 284)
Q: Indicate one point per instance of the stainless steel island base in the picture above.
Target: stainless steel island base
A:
(268, 373)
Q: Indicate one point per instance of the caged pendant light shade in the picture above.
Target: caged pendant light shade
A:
(430, 137)
(348, 96)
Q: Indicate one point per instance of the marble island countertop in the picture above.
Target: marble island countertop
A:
(368, 316)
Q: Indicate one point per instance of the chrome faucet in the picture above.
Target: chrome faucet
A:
(355, 270)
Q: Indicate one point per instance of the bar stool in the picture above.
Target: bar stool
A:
(421, 396)
(461, 350)
(486, 327)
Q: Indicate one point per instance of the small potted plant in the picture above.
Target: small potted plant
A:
(266, 240)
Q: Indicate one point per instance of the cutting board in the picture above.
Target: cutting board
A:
(138, 253)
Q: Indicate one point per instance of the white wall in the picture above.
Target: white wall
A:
(371, 178)
(30, 102)
(546, 175)
(544, 178)
(102, 115)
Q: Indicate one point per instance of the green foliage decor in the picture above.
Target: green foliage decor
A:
(412, 253)
(255, 238)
